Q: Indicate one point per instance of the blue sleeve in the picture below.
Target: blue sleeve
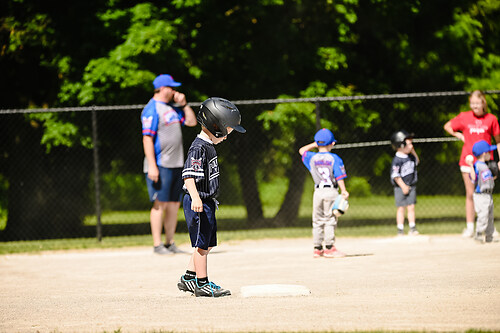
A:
(180, 114)
(338, 168)
(306, 159)
(149, 119)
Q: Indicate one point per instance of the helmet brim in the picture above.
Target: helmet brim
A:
(239, 128)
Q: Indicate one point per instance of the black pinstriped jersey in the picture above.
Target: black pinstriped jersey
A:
(201, 164)
(405, 167)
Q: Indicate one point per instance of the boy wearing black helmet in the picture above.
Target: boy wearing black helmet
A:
(218, 118)
(404, 179)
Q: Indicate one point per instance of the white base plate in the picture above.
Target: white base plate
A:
(274, 290)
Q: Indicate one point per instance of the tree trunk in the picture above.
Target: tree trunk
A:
(289, 209)
(247, 168)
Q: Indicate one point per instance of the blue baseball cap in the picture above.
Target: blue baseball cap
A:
(482, 147)
(165, 80)
(324, 137)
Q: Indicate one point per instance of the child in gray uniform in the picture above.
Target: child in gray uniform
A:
(484, 182)
(328, 172)
(404, 179)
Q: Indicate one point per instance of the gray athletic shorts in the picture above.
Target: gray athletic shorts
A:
(405, 200)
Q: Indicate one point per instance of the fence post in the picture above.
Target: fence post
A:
(97, 177)
(318, 116)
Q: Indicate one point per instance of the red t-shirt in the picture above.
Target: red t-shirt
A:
(474, 129)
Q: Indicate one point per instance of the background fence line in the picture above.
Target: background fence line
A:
(250, 102)
(261, 170)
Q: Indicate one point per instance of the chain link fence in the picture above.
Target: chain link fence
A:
(77, 172)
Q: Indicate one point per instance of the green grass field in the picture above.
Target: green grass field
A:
(371, 216)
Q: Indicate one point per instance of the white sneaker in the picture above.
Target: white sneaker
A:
(467, 233)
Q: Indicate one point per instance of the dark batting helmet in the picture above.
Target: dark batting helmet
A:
(398, 139)
(216, 114)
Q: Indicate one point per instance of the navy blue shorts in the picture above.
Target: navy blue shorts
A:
(168, 187)
(202, 226)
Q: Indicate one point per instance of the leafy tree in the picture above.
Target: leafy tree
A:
(107, 52)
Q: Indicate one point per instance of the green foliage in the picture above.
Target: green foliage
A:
(36, 31)
(123, 191)
(284, 124)
(358, 187)
(108, 52)
(383, 161)
(58, 132)
(332, 58)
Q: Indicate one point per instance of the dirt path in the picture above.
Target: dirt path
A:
(423, 283)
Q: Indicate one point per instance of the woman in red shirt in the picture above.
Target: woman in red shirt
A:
(470, 127)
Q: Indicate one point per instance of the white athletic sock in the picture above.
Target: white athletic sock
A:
(411, 224)
(470, 226)
(401, 226)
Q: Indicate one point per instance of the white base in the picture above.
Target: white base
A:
(405, 239)
(274, 290)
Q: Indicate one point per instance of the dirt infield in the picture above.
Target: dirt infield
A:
(432, 283)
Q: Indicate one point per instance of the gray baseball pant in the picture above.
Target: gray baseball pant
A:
(483, 205)
(323, 220)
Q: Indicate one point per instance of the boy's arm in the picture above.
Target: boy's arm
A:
(414, 153)
(343, 190)
(308, 147)
(401, 183)
(472, 172)
(196, 203)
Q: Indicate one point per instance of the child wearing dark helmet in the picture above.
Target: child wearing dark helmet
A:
(218, 117)
(328, 173)
(404, 179)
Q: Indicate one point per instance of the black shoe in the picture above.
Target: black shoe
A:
(186, 285)
(210, 289)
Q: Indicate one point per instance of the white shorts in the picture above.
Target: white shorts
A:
(465, 169)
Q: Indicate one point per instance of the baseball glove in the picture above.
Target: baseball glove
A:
(493, 166)
(340, 206)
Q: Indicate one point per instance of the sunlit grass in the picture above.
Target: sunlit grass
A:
(371, 208)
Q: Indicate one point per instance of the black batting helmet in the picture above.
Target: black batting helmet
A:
(398, 139)
(216, 114)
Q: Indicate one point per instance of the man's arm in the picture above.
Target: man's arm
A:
(149, 151)
(190, 117)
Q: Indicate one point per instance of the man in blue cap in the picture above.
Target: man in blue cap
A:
(484, 182)
(162, 119)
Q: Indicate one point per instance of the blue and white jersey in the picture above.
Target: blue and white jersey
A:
(202, 165)
(163, 122)
(484, 178)
(326, 168)
(405, 167)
